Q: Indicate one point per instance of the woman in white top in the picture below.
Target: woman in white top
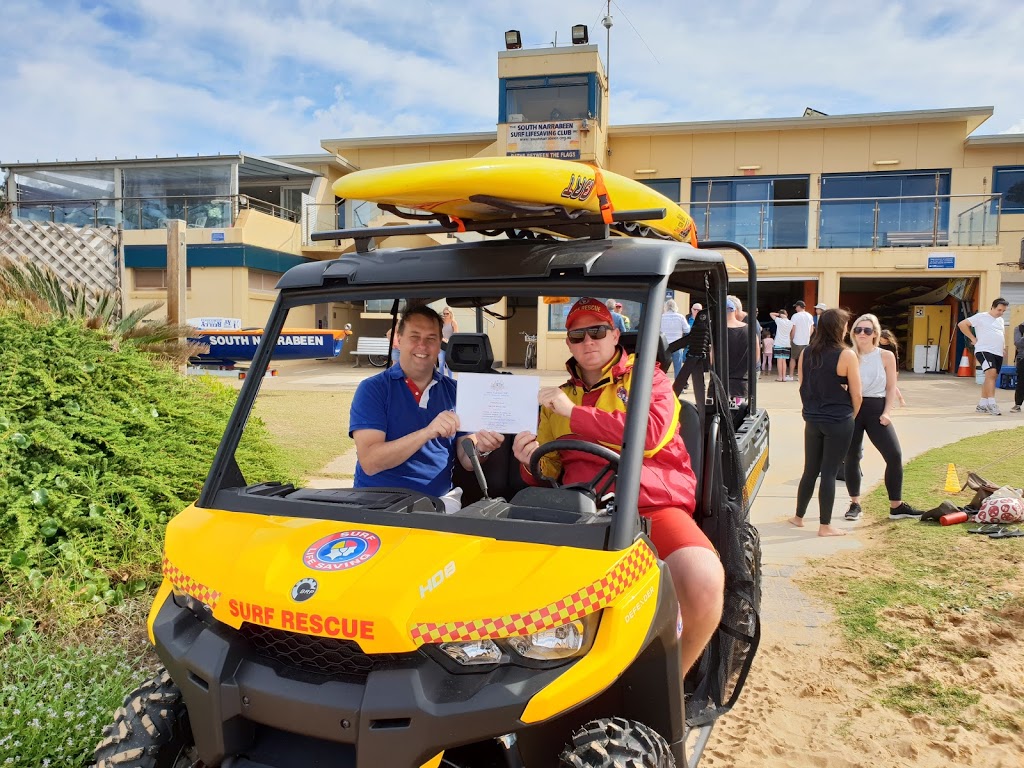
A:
(450, 326)
(878, 381)
(783, 334)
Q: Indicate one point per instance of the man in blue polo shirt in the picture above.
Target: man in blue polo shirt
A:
(403, 419)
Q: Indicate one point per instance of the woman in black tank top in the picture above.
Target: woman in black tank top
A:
(831, 394)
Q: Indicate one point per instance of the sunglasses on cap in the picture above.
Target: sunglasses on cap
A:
(576, 335)
(860, 330)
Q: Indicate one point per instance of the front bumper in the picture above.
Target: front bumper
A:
(241, 704)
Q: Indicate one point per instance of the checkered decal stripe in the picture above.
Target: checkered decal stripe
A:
(185, 583)
(588, 600)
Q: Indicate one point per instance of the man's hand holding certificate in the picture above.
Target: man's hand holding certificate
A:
(498, 403)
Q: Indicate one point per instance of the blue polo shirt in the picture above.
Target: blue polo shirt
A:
(384, 402)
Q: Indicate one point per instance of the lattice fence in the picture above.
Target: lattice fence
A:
(86, 255)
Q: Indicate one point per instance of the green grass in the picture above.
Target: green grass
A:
(57, 693)
(310, 428)
(931, 698)
(913, 579)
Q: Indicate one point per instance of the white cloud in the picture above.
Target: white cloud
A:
(151, 77)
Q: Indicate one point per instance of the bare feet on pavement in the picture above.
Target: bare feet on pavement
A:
(797, 521)
(828, 530)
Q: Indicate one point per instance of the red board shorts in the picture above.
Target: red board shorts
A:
(673, 529)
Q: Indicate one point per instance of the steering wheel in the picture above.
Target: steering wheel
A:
(603, 479)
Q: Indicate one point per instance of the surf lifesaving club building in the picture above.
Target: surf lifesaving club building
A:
(911, 215)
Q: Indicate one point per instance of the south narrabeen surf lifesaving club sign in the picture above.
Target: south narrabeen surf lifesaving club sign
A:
(560, 140)
(291, 344)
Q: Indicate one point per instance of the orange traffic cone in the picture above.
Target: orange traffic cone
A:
(965, 369)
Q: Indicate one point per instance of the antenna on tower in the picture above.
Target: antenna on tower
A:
(607, 22)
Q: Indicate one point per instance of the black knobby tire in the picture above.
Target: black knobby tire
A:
(151, 730)
(378, 361)
(615, 742)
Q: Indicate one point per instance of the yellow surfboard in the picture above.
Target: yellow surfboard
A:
(476, 188)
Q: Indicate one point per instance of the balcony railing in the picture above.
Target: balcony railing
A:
(211, 211)
(862, 222)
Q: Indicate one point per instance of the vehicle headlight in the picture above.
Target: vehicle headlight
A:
(553, 644)
(202, 611)
(473, 652)
(540, 650)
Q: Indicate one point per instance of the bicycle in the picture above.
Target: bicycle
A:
(531, 350)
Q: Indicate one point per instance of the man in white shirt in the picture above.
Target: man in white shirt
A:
(782, 351)
(803, 327)
(989, 342)
(673, 327)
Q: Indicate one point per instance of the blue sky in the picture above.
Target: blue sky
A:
(105, 78)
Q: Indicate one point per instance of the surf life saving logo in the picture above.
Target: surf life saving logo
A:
(341, 551)
(578, 188)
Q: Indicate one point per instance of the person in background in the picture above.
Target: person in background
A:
(989, 342)
(742, 316)
(625, 317)
(738, 346)
(617, 319)
(394, 345)
(1018, 345)
(694, 309)
(783, 331)
(673, 328)
(803, 327)
(878, 387)
(403, 419)
(888, 341)
(451, 325)
(831, 395)
(767, 346)
(818, 309)
(592, 406)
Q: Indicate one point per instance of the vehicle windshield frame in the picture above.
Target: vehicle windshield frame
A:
(704, 276)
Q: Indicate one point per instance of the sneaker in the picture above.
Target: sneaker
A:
(994, 410)
(853, 513)
(905, 512)
(789, 378)
(1015, 409)
(981, 408)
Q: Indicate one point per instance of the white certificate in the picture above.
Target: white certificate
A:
(497, 402)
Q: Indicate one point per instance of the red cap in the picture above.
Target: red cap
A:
(591, 310)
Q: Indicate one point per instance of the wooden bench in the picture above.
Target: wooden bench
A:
(376, 349)
(917, 238)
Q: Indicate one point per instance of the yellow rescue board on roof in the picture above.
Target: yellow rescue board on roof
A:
(475, 188)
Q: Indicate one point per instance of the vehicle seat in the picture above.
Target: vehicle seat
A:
(693, 437)
(471, 353)
(628, 342)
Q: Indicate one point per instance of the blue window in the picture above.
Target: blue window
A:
(543, 99)
(668, 187)
(908, 204)
(755, 211)
(1009, 181)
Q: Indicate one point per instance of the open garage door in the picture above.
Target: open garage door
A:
(775, 293)
(922, 312)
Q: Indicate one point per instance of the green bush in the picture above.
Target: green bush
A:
(99, 448)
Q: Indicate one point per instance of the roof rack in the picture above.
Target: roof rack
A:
(571, 224)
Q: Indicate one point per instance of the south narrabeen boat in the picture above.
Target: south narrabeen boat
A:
(293, 344)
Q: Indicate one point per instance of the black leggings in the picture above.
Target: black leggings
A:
(1018, 393)
(825, 445)
(884, 439)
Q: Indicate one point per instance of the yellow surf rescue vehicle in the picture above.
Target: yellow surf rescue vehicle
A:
(304, 627)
